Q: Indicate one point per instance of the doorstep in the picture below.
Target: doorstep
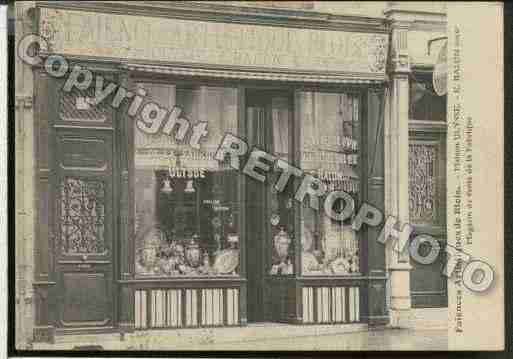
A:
(196, 338)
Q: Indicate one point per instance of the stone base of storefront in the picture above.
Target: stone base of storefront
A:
(196, 339)
(400, 318)
(430, 318)
(400, 301)
(419, 318)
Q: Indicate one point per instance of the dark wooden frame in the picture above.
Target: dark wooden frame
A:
(432, 132)
(125, 282)
(292, 284)
(129, 281)
(48, 280)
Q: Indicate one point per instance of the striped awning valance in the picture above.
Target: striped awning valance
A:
(343, 78)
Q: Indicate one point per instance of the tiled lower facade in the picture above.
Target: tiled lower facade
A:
(178, 308)
(189, 308)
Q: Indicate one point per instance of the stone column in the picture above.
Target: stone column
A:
(24, 182)
(396, 172)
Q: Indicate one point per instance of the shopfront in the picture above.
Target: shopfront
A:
(139, 230)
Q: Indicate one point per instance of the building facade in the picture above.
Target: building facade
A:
(121, 226)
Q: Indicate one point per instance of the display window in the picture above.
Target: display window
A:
(186, 203)
(330, 150)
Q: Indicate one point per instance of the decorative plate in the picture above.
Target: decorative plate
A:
(227, 261)
(275, 219)
(310, 263)
(306, 238)
(216, 222)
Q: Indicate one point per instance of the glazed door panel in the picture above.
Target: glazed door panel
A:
(269, 215)
(256, 232)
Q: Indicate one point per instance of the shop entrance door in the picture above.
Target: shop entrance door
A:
(257, 109)
(81, 206)
(268, 116)
(84, 228)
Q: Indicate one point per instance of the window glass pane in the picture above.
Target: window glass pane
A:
(186, 203)
(281, 205)
(425, 104)
(330, 151)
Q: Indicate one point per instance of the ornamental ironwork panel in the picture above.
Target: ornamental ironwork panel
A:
(78, 105)
(82, 216)
(422, 182)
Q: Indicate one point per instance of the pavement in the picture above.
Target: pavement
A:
(260, 337)
(389, 339)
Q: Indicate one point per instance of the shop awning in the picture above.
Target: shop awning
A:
(345, 78)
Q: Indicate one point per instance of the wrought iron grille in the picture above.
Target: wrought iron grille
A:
(76, 106)
(82, 216)
(422, 183)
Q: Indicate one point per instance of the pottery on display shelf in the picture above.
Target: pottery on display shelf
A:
(281, 244)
